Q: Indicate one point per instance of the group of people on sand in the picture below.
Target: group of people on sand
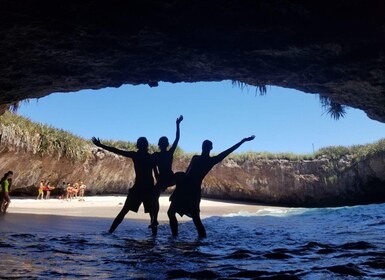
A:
(45, 187)
(75, 191)
(69, 191)
(5, 188)
(185, 200)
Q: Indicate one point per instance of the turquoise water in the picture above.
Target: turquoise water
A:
(329, 243)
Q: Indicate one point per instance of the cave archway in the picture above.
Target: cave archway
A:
(334, 48)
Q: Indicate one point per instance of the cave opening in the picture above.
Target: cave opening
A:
(283, 120)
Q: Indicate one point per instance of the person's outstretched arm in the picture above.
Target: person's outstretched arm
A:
(175, 144)
(221, 156)
(97, 142)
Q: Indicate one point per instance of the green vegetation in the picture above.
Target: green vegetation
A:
(270, 156)
(46, 140)
(125, 145)
(357, 152)
(334, 109)
(43, 139)
(262, 89)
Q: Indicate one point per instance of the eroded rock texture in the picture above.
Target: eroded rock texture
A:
(320, 182)
(335, 48)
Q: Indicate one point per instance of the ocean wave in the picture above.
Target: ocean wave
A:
(270, 211)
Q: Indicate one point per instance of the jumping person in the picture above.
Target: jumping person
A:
(143, 190)
(163, 161)
(186, 198)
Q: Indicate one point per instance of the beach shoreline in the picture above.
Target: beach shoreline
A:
(109, 207)
(97, 213)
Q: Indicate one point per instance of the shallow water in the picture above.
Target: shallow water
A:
(329, 243)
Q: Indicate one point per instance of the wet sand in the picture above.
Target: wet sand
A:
(109, 207)
(31, 215)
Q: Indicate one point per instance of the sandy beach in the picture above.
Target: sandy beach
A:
(31, 215)
(109, 207)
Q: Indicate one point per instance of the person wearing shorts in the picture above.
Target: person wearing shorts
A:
(143, 190)
(185, 199)
(165, 175)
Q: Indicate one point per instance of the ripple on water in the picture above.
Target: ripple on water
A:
(317, 244)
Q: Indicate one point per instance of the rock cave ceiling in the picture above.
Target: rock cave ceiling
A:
(332, 48)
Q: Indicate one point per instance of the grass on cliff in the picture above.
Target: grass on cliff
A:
(46, 140)
(356, 152)
(41, 139)
(131, 146)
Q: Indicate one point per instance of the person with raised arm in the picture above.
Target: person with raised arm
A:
(186, 198)
(143, 190)
(163, 161)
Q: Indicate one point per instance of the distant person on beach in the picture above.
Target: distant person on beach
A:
(5, 185)
(40, 190)
(143, 190)
(82, 188)
(165, 175)
(75, 190)
(186, 198)
(49, 188)
(69, 192)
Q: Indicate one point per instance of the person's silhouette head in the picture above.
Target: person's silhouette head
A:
(163, 143)
(142, 144)
(207, 146)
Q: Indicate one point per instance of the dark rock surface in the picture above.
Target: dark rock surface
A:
(332, 47)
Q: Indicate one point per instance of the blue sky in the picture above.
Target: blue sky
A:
(284, 120)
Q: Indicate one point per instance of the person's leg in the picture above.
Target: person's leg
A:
(154, 224)
(118, 219)
(151, 206)
(121, 215)
(173, 221)
(199, 226)
(5, 205)
(155, 207)
(1, 203)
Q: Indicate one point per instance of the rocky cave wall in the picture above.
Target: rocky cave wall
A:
(334, 48)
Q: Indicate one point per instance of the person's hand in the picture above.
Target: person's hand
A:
(96, 141)
(249, 138)
(178, 120)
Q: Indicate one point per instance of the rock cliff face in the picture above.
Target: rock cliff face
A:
(332, 47)
(307, 183)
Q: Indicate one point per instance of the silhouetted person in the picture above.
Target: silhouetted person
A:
(165, 175)
(143, 190)
(5, 185)
(186, 198)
